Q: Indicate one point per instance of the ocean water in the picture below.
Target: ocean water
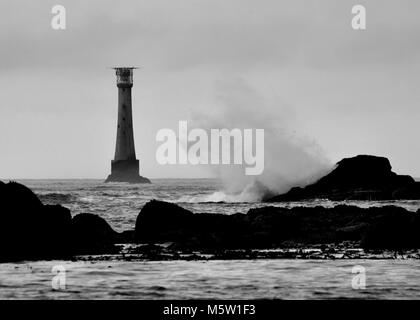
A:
(257, 279)
(120, 204)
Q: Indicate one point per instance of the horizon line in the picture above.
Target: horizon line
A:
(169, 178)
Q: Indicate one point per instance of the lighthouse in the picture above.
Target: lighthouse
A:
(125, 167)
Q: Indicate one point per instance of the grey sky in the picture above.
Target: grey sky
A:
(348, 92)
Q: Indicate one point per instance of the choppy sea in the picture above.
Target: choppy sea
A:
(120, 204)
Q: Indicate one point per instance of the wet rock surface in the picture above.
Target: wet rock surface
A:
(363, 177)
(317, 252)
(388, 227)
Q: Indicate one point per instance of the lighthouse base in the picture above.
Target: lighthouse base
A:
(126, 171)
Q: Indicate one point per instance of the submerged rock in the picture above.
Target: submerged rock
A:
(363, 177)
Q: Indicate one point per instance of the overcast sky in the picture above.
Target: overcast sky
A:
(347, 92)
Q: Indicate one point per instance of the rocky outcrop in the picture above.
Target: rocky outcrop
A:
(160, 221)
(271, 227)
(394, 230)
(363, 177)
(92, 235)
(30, 230)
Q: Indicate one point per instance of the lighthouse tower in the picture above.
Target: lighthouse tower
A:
(125, 166)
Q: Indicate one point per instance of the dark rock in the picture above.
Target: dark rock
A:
(126, 236)
(163, 221)
(160, 222)
(352, 232)
(28, 229)
(395, 230)
(273, 227)
(409, 192)
(92, 235)
(149, 248)
(17, 197)
(363, 177)
(54, 230)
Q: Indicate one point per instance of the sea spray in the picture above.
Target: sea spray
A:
(290, 160)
